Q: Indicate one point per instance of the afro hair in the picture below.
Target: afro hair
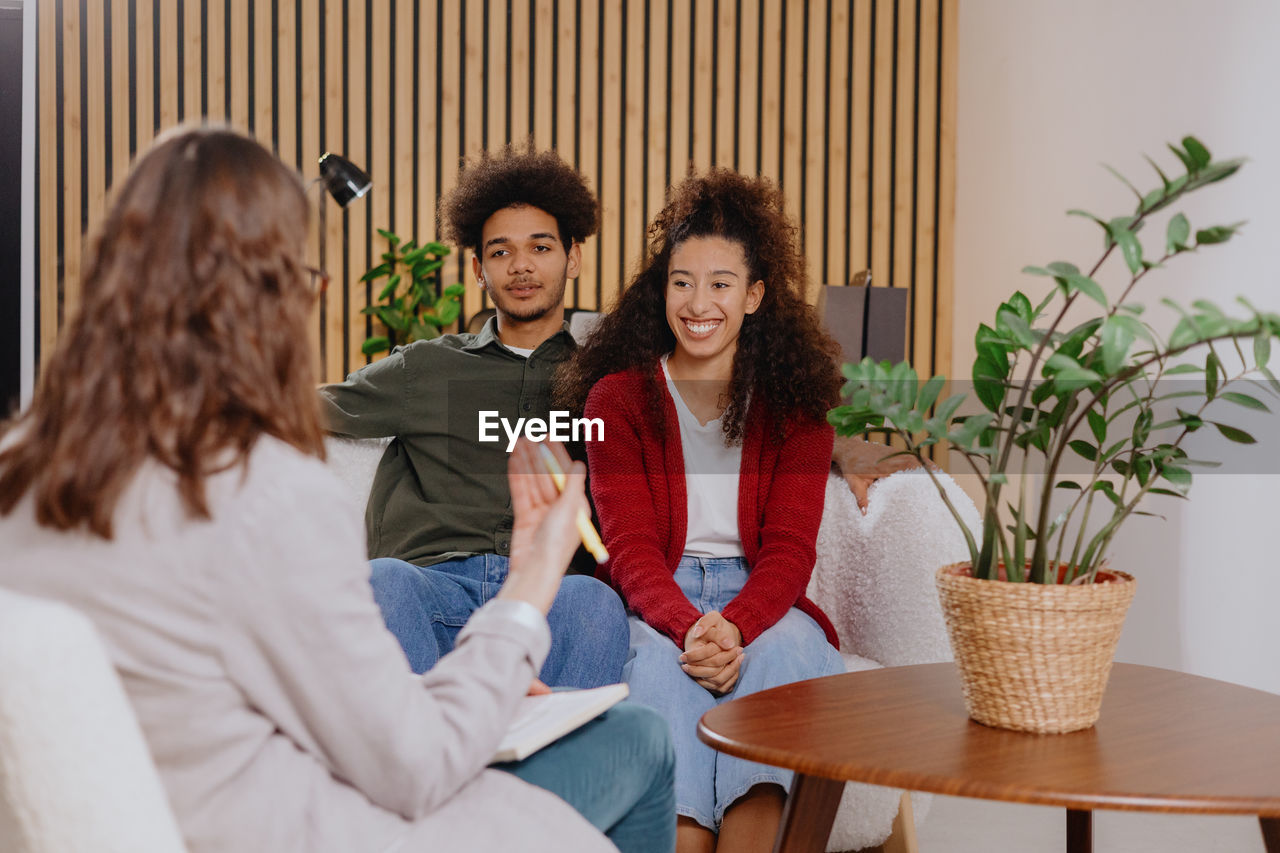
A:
(511, 178)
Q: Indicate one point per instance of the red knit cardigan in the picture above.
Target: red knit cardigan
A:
(638, 484)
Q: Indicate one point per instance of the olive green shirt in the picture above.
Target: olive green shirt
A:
(440, 492)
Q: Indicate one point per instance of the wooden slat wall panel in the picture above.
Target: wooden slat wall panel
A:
(848, 104)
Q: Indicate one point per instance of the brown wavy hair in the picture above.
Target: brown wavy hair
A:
(783, 357)
(189, 341)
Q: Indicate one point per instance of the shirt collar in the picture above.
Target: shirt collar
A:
(488, 335)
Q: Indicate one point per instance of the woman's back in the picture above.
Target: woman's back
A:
(255, 658)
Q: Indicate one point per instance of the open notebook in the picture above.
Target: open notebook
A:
(549, 717)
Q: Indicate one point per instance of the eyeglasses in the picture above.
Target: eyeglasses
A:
(319, 280)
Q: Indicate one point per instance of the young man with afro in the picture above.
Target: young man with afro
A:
(439, 515)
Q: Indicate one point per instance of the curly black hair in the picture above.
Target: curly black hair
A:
(783, 357)
(513, 177)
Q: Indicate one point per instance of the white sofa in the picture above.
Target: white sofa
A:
(873, 577)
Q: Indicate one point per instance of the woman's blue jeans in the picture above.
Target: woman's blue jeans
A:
(426, 608)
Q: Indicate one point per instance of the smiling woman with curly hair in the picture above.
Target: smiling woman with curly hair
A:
(712, 378)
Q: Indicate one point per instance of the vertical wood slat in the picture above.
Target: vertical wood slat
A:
(834, 224)
(72, 178)
(728, 81)
(771, 93)
(215, 72)
(658, 151)
(335, 315)
(703, 96)
(309, 131)
(263, 38)
(923, 298)
(402, 109)
(543, 72)
(815, 139)
(588, 119)
(428, 97)
(167, 79)
(944, 287)
(882, 142)
(379, 134)
(46, 75)
(860, 144)
(611, 177)
(95, 113)
(120, 78)
(238, 37)
(192, 70)
(356, 215)
(633, 158)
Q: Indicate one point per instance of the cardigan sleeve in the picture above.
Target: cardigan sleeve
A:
(792, 513)
(621, 486)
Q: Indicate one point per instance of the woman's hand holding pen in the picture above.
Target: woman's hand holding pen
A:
(545, 534)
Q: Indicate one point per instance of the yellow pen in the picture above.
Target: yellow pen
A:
(587, 530)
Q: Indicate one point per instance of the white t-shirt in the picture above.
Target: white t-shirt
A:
(711, 482)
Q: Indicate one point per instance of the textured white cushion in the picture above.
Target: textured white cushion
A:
(874, 579)
(75, 773)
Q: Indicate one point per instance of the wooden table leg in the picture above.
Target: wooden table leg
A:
(1079, 831)
(1270, 833)
(808, 815)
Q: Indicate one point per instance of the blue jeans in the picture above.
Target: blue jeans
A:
(793, 649)
(617, 772)
(426, 608)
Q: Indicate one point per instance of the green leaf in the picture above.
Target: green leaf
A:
(1179, 477)
(1084, 448)
(1098, 424)
(375, 344)
(1115, 342)
(392, 284)
(1124, 181)
(1130, 248)
(1217, 234)
(1198, 153)
(988, 382)
(455, 290)
(1245, 400)
(1186, 159)
(1088, 287)
(929, 393)
(1073, 379)
(1164, 179)
(1036, 271)
(1262, 348)
(1183, 368)
(1231, 433)
(1176, 235)
(1212, 368)
(1059, 361)
(1022, 305)
(1067, 484)
(391, 238)
(1010, 322)
(1063, 269)
(448, 312)
(377, 272)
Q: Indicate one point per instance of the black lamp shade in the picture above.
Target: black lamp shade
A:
(344, 180)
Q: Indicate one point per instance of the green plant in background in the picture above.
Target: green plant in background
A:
(1091, 391)
(418, 310)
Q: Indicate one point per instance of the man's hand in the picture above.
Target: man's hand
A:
(862, 463)
(545, 533)
(713, 653)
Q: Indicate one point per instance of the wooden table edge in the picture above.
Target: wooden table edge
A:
(945, 786)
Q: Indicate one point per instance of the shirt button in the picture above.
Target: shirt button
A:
(503, 544)
(528, 406)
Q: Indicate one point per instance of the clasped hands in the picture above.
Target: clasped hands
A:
(713, 652)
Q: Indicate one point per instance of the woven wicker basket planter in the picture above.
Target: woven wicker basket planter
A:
(1033, 657)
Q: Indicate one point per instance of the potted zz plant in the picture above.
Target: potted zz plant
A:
(1080, 421)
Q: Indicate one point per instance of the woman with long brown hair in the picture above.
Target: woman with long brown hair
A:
(713, 378)
(167, 481)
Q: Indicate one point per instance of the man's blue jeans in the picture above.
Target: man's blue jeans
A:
(426, 608)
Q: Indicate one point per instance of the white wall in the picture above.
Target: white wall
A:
(1048, 90)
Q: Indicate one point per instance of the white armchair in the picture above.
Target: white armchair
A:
(75, 772)
(874, 578)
